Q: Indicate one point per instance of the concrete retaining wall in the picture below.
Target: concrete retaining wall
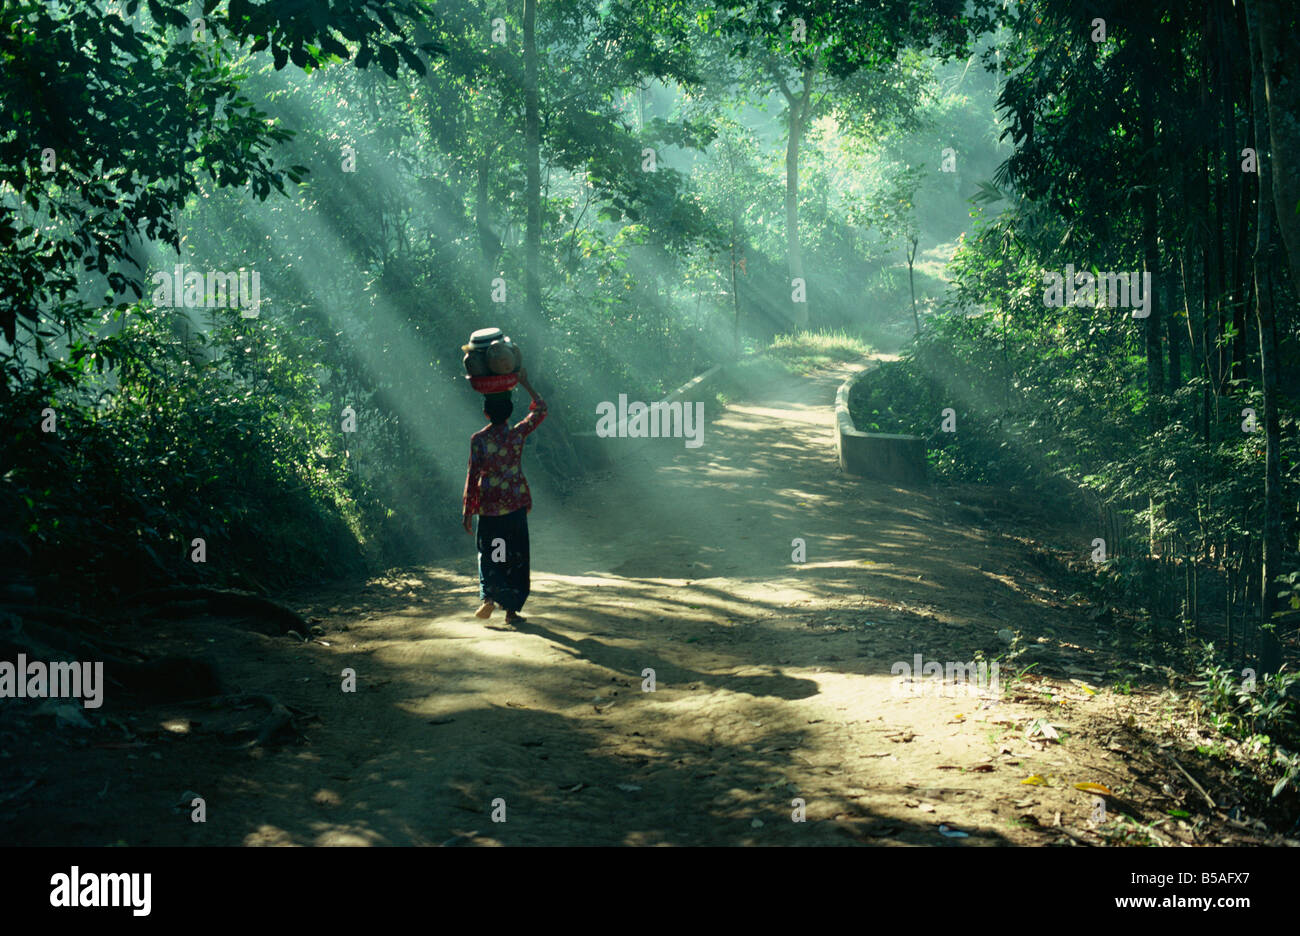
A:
(881, 456)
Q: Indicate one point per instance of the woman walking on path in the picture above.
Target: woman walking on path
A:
(497, 491)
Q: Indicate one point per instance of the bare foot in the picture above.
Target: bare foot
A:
(485, 610)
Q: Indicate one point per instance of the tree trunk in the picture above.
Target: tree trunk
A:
(1280, 56)
(1243, 189)
(1265, 18)
(489, 244)
(532, 169)
(1221, 152)
(735, 297)
(797, 108)
(911, 281)
(1150, 246)
(1175, 345)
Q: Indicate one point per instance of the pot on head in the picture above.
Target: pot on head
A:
(483, 337)
(476, 364)
(476, 357)
(501, 357)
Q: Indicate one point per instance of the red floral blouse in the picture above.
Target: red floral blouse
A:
(495, 485)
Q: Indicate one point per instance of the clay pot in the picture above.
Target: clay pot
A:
(491, 354)
(501, 357)
(484, 337)
(476, 364)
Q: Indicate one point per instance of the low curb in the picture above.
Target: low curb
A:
(880, 456)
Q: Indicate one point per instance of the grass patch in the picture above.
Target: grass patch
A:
(795, 354)
(802, 352)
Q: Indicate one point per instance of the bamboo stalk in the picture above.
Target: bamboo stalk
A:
(1227, 603)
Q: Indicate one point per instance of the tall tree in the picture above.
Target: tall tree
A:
(1268, 72)
(798, 109)
(837, 55)
(532, 166)
(1277, 28)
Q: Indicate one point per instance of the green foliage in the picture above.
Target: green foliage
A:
(215, 438)
(167, 110)
(1263, 714)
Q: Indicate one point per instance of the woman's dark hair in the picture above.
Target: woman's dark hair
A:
(497, 407)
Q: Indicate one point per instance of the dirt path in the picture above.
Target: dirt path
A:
(772, 677)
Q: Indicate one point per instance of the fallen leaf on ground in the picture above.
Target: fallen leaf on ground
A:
(1093, 788)
(1041, 726)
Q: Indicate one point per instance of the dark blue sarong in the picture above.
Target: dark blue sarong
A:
(503, 575)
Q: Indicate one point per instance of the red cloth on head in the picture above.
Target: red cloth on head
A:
(497, 383)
